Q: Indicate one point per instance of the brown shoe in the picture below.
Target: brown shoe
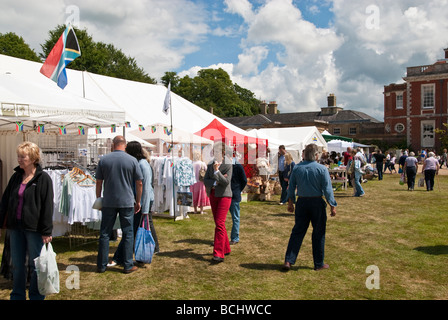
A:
(134, 268)
(325, 266)
(286, 266)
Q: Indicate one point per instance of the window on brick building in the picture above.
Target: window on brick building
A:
(428, 96)
(352, 131)
(399, 127)
(336, 131)
(427, 133)
(399, 101)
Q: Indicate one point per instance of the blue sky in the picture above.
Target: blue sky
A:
(292, 51)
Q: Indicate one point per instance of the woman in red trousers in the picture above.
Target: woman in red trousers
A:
(217, 182)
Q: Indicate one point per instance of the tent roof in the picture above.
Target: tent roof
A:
(299, 135)
(141, 103)
(215, 130)
(329, 137)
(25, 97)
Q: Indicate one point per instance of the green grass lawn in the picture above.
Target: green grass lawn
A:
(404, 234)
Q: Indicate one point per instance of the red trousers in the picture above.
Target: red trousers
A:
(220, 207)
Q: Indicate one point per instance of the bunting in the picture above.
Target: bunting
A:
(81, 130)
(62, 130)
(19, 126)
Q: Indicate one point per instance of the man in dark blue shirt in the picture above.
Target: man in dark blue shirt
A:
(312, 181)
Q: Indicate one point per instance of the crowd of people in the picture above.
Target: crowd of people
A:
(124, 181)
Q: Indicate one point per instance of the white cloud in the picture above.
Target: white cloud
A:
(305, 72)
(158, 33)
(240, 7)
(250, 59)
(282, 56)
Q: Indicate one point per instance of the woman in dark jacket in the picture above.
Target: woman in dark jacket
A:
(26, 210)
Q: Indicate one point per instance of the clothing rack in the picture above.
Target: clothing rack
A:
(78, 232)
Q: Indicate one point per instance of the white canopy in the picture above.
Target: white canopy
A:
(141, 103)
(293, 138)
(29, 97)
(338, 146)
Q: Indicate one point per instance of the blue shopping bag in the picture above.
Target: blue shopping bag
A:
(144, 242)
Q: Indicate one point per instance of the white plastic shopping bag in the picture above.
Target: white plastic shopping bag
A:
(47, 271)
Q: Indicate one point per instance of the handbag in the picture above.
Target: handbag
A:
(421, 182)
(144, 242)
(402, 179)
(47, 271)
(202, 174)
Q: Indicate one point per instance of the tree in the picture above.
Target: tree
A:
(14, 46)
(443, 136)
(213, 90)
(99, 57)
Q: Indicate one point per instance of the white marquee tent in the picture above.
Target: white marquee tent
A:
(88, 99)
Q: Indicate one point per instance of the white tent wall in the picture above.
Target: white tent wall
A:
(294, 139)
(338, 146)
(28, 97)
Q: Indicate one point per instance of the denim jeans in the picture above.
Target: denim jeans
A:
(308, 210)
(359, 191)
(284, 185)
(235, 213)
(23, 241)
(379, 168)
(126, 216)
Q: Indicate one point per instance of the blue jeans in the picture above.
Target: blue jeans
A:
(21, 242)
(284, 185)
(359, 191)
(235, 213)
(109, 216)
(379, 168)
(308, 210)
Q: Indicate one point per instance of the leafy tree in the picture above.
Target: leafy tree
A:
(212, 89)
(14, 46)
(443, 136)
(99, 57)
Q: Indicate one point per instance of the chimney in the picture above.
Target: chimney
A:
(332, 109)
(273, 107)
(263, 107)
(446, 53)
(331, 100)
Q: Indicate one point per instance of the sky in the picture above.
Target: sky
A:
(294, 52)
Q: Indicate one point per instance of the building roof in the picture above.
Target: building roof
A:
(301, 118)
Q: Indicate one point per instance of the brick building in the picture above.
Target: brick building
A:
(337, 121)
(413, 110)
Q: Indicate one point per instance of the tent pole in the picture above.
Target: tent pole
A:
(172, 159)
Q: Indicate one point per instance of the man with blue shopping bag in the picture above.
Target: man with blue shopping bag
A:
(118, 171)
